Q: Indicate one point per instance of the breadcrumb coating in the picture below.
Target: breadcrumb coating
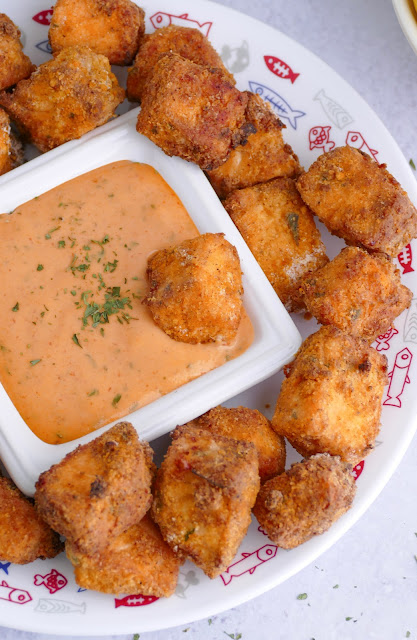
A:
(14, 64)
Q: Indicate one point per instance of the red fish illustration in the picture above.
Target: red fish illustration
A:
(357, 470)
(383, 340)
(162, 19)
(319, 138)
(356, 140)
(53, 581)
(44, 17)
(262, 531)
(405, 258)
(398, 377)
(11, 594)
(249, 562)
(280, 68)
(137, 600)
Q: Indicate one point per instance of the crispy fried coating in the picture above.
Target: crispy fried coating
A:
(330, 401)
(248, 425)
(279, 229)
(14, 64)
(195, 290)
(203, 495)
(136, 561)
(24, 536)
(188, 43)
(305, 500)
(112, 28)
(11, 150)
(64, 98)
(98, 490)
(359, 200)
(264, 156)
(192, 112)
(359, 293)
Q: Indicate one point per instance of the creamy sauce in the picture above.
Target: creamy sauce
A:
(61, 254)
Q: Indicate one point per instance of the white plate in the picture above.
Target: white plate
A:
(319, 108)
(407, 17)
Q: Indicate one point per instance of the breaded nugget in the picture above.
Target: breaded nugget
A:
(188, 43)
(359, 293)
(195, 290)
(331, 399)
(192, 112)
(264, 156)
(99, 490)
(64, 98)
(358, 200)
(203, 496)
(279, 229)
(248, 425)
(14, 64)
(112, 28)
(305, 500)
(24, 536)
(11, 150)
(136, 561)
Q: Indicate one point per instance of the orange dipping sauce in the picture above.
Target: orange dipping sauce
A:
(71, 259)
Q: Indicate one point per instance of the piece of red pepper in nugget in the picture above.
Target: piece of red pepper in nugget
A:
(14, 64)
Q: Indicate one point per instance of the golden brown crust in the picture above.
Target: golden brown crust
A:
(14, 64)
(359, 200)
(64, 98)
(280, 231)
(188, 43)
(112, 28)
(24, 536)
(331, 399)
(98, 490)
(305, 500)
(195, 290)
(359, 293)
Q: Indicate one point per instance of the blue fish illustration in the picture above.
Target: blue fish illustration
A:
(44, 46)
(281, 106)
(5, 566)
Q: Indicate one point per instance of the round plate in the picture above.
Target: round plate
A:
(321, 111)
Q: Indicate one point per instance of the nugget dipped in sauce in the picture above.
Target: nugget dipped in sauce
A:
(136, 561)
(359, 200)
(24, 536)
(330, 401)
(98, 490)
(358, 292)
(192, 112)
(262, 157)
(248, 425)
(112, 28)
(11, 150)
(203, 496)
(64, 98)
(305, 500)
(195, 290)
(191, 44)
(279, 229)
(14, 64)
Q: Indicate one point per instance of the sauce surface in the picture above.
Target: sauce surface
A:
(77, 348)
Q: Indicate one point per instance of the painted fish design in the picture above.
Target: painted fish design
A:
(405, 258)
(43, 17)
(356, 140)
(280, 68)
(319, 138)
(236, 59)
(384, 339)
(48, 605)
(53, 581)
(5, 566)
(281, 106)
(398, 377)
(337, 114)
(44, 46)
(162, 19)
(137, 600)
(357, 470)
(249, 562)
(11, 594)
(410, 326)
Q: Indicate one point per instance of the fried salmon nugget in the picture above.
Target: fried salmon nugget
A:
(112, 28)
(98, 490)
(264, 156)
(11, 150)
(195, 290)
(203, 496)
(136, 561)
(358, 292)
(279, 229)
(188, 43)
(192, 112)
(248, 425)
(14, 64)
(359, 200)
(24, 536)
(305, 500)
(64, 98)
(330, 401)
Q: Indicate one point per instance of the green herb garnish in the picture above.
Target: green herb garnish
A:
(61, 244)
(48, 235)
(16, 307)
(94, 392)
(40, 267)
(75, 339)
(302, 596)
(116, 399)
(412, 165)
(111, 266)
(33, 362)
(292, 220)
